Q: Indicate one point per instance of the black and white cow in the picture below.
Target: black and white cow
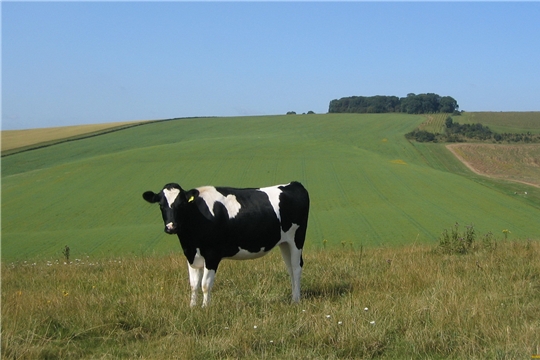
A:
(215, 223)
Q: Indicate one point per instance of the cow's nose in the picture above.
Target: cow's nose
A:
(170, 228)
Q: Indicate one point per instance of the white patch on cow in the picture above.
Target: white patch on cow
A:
(198, 261)
(273, 193)
(292, 255)
(210, 196)
(171, 195)
(288, 237)
(243, 254)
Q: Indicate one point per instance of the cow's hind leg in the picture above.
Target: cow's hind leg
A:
(293, 260)
(195, 276)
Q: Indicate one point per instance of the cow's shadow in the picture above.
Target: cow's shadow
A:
(327, 291)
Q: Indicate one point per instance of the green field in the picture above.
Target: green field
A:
(434, 123)
(504, 122)
(368, 185)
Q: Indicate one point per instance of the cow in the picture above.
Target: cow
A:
(216, 223)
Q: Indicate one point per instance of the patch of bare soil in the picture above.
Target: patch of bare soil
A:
(519, 163)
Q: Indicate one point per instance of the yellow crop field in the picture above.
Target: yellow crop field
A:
(14, 139)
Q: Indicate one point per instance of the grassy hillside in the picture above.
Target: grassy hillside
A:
(368, 184)
(386, 303)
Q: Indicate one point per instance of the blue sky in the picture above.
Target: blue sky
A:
(67, 63)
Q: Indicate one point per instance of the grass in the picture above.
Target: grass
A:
(384, 303)
(369, 186)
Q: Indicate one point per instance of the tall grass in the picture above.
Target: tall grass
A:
(407, 302)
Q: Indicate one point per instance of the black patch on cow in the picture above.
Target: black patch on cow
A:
(294, 208)
(255, 226)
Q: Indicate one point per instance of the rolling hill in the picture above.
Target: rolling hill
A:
(369, 186)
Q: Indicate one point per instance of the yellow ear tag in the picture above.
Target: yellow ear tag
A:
(191, 199)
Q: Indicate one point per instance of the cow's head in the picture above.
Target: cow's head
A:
(172, 200)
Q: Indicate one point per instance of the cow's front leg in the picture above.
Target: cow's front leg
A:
(195, 276)
(207, 283)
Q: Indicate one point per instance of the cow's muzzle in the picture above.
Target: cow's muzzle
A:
(170, 228)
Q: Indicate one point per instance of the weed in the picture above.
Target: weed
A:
(454, 242)
(65, 252)
(488, 241)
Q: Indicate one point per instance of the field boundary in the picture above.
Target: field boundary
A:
(86, 135)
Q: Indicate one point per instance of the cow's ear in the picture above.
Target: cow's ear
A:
(191, 195)
(201, 206)
(150, 197)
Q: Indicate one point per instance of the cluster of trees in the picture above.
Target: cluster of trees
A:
(362, 104)
(412, 104)
(423, 136)
(509, 137)
(456, 132)
(294, 113)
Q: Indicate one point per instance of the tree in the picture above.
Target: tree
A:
(448, 105)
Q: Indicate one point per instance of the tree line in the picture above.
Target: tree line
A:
(456, 132)
(411, 104)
